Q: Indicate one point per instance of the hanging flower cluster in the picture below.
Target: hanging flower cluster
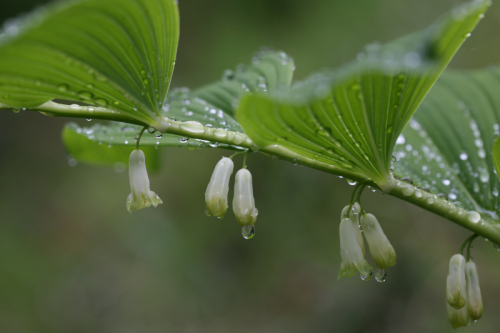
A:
(352, 249)
(243, 202)
(463, 295)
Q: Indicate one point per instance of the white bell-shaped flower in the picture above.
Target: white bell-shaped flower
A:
(380, 248)
(456, 294)
(458, 317)
(216, 194)
(244, 203)
(141, 196)
(354, 216)
(352, 256)
(474, 299)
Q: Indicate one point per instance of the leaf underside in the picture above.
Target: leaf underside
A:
(448, 145)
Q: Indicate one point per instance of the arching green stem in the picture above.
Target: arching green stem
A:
(485, 227)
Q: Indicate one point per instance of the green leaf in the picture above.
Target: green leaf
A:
(115, 54)
(350, 119)
(83, 145)
(214, 104)
(449, 143)
(269, 70)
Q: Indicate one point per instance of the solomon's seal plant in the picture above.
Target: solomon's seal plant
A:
(113, 60)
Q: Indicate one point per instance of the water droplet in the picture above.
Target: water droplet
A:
(484, 175)
(183, 139)
(248, 231)
(63, 87)
(193, 127)
(418, 193)
(101, 101)
(464, 156)
(207, 213)
(380, 275)
(151, 130)
(351, 182)
(407, 180)
(430, 200)
(228, 75)
(72, 161)
(219, 133)
(16, 110)
(89, 119)
(473, 216)
(158, 135)
(366, 278)
(85, 95)
(408, 190)
(238, 139)
(446, 182)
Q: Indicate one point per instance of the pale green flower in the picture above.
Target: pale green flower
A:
(244, 203)
(474, 299)
(354, 216)
(141, 196)
(380, 248)
(218, 187)
(456, 283)
(458, 317)
(352, 256)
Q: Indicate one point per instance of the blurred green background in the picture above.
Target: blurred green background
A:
(73, 260)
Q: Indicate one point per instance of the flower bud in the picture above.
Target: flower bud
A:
(353, 215)
(141, 196)
(216, 194)
(244, 203)
(458, 317)
(351, 253)
(474, 299)
(380, 248)
(455, 284)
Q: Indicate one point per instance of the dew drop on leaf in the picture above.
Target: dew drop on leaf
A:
(85, 95)
(63, 87)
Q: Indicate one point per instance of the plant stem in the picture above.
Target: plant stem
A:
(467, 241)
(236, 154)
(245, 160)
(53, 109)
(139, 137)
(485, 227)
(469, 247)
